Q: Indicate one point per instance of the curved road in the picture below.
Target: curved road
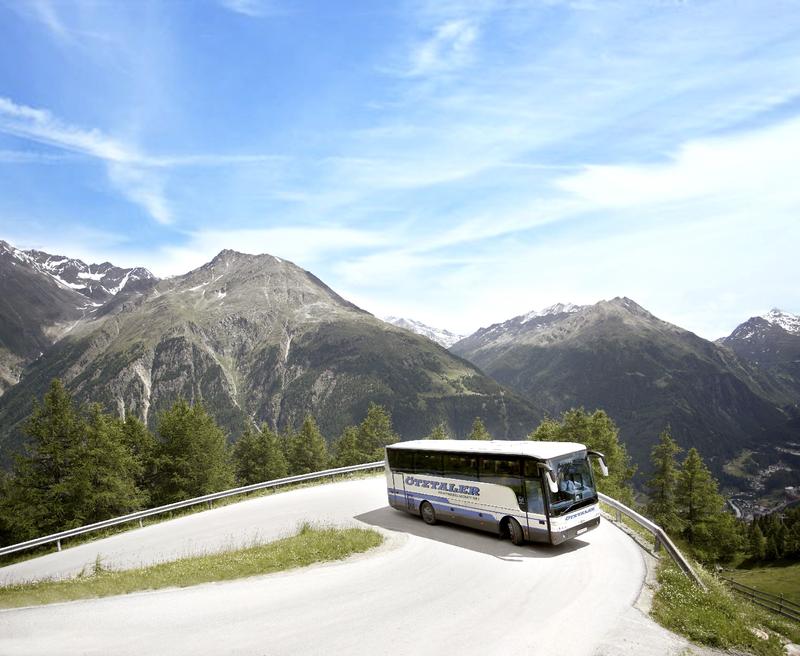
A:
(429, 589)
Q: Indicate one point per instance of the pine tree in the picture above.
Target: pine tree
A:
(708, 528)
(102, 481)
(375, 432)
(345, 449)
(258, 456)
(40, 500)
(439, 432)
(598, 432)
(308, 452)
(193, 457)
(478, 431)
(662, 507)
(758, 543)
(144, 448)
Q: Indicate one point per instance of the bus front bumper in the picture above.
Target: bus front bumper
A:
(557, 537)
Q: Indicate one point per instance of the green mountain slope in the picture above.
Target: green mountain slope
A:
(646, 373)
(258, 338)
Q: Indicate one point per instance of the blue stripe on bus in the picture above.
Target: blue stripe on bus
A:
(450, 504)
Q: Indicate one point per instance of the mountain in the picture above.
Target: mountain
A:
(645, 372)
(439, 335)
(42, 297)
(771, 342)
(258, 338)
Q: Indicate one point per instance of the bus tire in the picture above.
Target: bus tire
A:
(427, 513)
(515, 532)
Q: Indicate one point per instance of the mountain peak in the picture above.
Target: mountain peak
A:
(555, 309)
(789, 322)
(439, 335)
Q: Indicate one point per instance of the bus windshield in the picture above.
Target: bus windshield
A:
(575, 484)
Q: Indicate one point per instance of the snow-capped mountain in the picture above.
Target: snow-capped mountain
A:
(524, 324)
(789, 322)
(771, 342)
(43, 297)
(438, 335)
(98, 282)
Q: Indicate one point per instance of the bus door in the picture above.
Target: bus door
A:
(538, 526)
(404, 461)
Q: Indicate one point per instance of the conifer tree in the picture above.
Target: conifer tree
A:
(308, 452)
(345, 449)
(439, 432)
(193, 457)
(758, 543)
(258, 456)
(102, 481)
(598, 432)
(662, 507)
(708, 528)
(478, 431)
(144, 448)
(40, 499)
(375, 432)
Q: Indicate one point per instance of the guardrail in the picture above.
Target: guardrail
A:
(207, 498)
(660, 536)
(775, 603)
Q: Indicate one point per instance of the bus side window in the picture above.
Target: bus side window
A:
(428, 463)
(503, 470)
(460, 466)
(401, 459)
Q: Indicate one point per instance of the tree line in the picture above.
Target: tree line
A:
(83, 465)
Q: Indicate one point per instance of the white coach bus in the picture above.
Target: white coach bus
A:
(537, 491)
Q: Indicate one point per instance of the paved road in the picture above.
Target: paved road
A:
(430, 590)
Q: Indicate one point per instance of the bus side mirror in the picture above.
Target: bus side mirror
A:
(601, 460)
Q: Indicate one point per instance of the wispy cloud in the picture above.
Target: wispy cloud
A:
(139, 176)
(253, 8)
(448, 49)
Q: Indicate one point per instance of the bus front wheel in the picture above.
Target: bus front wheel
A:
(428, 513)
(515, 532)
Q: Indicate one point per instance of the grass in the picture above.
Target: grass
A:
(716, 617)
(778, 579)
(190, 510)
(310, 545)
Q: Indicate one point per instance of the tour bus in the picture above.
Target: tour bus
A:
(536, 491)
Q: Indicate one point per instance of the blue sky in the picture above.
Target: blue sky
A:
(454, 161)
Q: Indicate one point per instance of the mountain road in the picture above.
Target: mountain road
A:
(427, 590)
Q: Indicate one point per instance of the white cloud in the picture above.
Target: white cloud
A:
(449, 48)
(306, 246)
(252, 8)
(730, 169)
(138, 176)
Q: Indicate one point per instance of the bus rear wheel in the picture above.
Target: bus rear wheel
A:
(515, 532)
(428, 513)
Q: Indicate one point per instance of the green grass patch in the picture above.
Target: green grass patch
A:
(310, 545)
(778, 579)
(716, 617)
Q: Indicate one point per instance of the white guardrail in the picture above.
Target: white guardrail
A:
(661, 538)
(207, 498)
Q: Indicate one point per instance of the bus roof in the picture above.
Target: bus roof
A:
(539, 450)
